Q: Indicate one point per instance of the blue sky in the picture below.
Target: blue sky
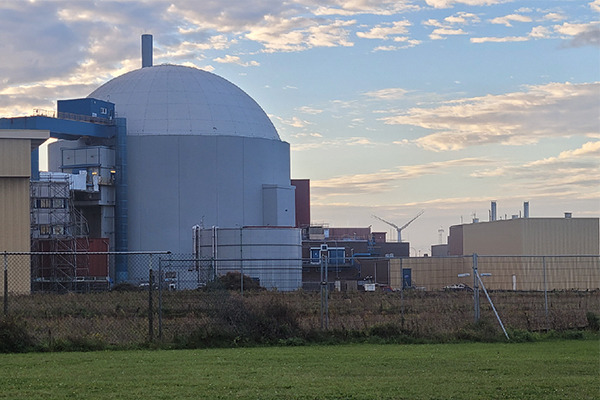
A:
(390, 107)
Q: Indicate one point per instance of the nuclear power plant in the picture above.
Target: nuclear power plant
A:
(169, 158)
(160, 151)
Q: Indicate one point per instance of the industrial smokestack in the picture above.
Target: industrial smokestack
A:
(146, 51)
(526, 209)
(493, 216)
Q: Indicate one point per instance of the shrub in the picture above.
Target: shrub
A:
(14, 337)
(126, 287)
(481, 331)
(593, 321)
(232, 281)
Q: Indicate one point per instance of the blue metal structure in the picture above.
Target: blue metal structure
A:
(77, 120)
(87, 106)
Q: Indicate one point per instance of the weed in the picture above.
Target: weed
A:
(593, 321)
(14, 337)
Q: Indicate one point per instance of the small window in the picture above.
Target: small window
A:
(58, 203)
(103, 110)
(58, 229)
(45, 203)
(315, 255)
(337, 255)
(44, 230)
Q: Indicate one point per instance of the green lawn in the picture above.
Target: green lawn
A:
(542, 370)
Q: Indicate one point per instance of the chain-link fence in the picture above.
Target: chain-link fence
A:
(182, 300)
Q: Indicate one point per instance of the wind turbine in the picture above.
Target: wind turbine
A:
(399, 229)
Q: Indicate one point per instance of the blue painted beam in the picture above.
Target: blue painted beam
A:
(60, 128)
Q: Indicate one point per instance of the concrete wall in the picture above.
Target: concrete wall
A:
(176, 182)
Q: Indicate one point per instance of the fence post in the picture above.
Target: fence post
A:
(5, 283)
(241, 261)
(150, 307)
(401, 292)
(475, 289)
(324, 289)
(160, 298)
(545, 292)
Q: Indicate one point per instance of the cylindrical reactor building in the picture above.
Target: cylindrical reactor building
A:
(200, 151)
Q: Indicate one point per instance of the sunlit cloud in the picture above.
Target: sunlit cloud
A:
(387, 94)
(556, 109)
(506, 39)
(329, 142)
(356, 7)
(572, 172)
(507, 19)
(296, 34)
(384, 31)
(295, 122)
(309, 110)
(451, 3)
(441, 33)
(387, 179)
(554, 17)
(229, 59)
(580, 34)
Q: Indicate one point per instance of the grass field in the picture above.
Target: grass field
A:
(542, 370)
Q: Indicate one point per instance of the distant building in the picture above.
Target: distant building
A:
(526, 236)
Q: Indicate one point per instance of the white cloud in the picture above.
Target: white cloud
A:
(580, 34)
(295, 34)
(229, 59)
(384, 31)
(572, 173)
(573, 29)
(329, 143)
(555, 109)
(448, 28)
(451, 3)
(356, 7)
(506, 39)
(540, 32)
(554, 17)
(506, 20)
(386, 179)
(595, 5)
(295, 122)
(462, 18)
(441, 33)
(309, 110)
(387, 94)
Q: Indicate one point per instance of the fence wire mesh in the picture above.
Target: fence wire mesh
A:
(201, 302)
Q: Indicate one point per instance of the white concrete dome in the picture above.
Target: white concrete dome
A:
(178, 100)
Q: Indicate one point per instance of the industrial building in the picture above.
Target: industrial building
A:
(16, 146)
(513, 251)
(158, 151)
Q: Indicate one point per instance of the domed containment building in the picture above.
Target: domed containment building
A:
(202, 153)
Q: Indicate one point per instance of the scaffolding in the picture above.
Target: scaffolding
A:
(59, 236)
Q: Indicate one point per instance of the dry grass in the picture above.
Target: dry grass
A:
(121, 318)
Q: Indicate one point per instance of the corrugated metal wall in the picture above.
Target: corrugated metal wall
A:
(14, 206)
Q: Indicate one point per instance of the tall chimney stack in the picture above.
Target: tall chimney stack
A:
(526, 209)
(146, 51)
(493, 216)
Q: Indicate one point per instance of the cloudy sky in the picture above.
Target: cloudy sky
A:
(390, 106)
